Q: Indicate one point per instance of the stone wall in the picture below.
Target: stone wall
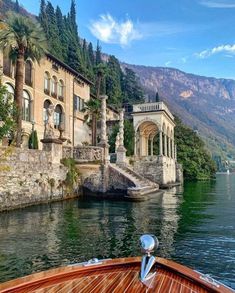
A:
(104, 180)
(84, 154)
(29, 177)
(161, 169)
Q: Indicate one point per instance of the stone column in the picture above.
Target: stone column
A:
(173, 148)
(152, 146)
(147, 145)
(169, 147)
(121, 151)
(135, 144)
(103, 135)
(117, 142)
(160, 143)
(165, 145)
(141, 144)
(175, 152)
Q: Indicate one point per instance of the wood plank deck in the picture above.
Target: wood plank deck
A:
(121, 275)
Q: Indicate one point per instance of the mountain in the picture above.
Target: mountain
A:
(204, 103)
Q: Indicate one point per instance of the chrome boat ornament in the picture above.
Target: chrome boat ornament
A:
(148, 244)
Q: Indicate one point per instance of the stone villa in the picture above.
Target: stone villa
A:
(53, 82)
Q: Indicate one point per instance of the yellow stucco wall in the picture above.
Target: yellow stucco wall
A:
(79, 87)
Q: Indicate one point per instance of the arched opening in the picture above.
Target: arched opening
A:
(46, 105)
(10, 90)
(58, 116)
(7, 65)
(26, 106)
(146, 139)
(28, 73)
(47, 83)
(54, 87)
(61, 90)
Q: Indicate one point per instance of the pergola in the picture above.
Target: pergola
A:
(154, 130)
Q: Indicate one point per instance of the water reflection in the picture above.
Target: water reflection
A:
(194, 224)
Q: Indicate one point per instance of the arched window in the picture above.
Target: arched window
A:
(47, 83)
(10, 90)
(46, 105)
(26, 106)
(58, 116)
(28, 73)
(61, 90)
(7, 65)
(54, 87)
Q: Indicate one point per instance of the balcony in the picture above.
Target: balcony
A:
(61, 98)
(152, 107)
(54, 95)
(47, 92)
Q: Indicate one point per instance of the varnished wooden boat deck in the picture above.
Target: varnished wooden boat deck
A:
(114, 276)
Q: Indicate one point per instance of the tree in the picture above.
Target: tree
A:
(33, 140)
(6, 112)
(131, 88)
(157, 99)
(21, 38)
(191, 153)
(113, 82)
(92, 109)
(98, 58)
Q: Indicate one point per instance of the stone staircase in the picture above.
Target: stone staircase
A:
(142, 186)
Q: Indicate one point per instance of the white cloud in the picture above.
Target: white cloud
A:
(109, 30)
(230, 49)
(168, 63)
(218, 3)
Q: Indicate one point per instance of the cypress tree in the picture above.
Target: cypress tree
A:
(53, 31)
(98, 58)
(157, 97)
(91, 54)
(72, 17)
(17, 6)
(113, 81)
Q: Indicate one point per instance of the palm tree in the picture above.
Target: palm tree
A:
(92, 108)
(21, 38)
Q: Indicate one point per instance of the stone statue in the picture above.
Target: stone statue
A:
(49, 125)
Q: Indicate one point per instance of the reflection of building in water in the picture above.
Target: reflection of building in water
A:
(170, 217)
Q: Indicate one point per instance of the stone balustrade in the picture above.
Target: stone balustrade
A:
(88, 154)
(150, 107)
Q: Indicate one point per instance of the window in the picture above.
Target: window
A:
(26, 106)
(78, 103)
(28, 73)
(10, 90)
(47, 83)
(61, 90)
(54, 87)
(7, 66)
(58, 116)
(46, 105)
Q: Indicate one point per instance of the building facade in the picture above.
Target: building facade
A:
(51, 82)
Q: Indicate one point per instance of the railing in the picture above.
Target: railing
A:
(88, 154)
(150, 107)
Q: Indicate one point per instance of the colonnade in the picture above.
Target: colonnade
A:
(144, 144)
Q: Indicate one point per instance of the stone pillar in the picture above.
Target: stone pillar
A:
(147, 145)
(160, 144)
(152, 146)
(175, 152)
(103, 135)
(165, 145)
(141, 144)
(121, 151)
(173, 148)
(135, 144)
(169, 147)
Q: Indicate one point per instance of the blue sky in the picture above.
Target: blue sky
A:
(196, 36)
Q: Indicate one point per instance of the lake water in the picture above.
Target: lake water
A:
(195, 225)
